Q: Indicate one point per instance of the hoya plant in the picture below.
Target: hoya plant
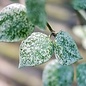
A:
(56, 74)
(80, 6)
(17, 23)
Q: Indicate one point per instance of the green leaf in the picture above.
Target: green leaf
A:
(14, 23)
(79, 4)
(36, 12)
(55, 74)
(35, 50)
(81, 74)
(65, 49)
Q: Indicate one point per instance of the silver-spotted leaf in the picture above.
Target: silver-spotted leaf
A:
(36, 12)
(35, 50)
(65, 49)
(79, 4)
(81, 74)
(14, 23)
(55, 74)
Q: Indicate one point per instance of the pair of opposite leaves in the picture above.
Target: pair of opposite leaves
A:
(37, 48)
(56, 74)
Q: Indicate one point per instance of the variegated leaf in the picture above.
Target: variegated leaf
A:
(55, 74)
(36, 12)
(35, 50)
(65, 49)
(14, 23)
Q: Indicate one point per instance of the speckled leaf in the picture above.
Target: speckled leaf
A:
(36, 12)
(35, 50)
(14, 23)
(81, 74)
(65, 49)
(79, 4)
(55, 74)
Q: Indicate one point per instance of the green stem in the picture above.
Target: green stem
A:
(51, 30)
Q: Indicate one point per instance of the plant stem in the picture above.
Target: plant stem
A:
(51, 30)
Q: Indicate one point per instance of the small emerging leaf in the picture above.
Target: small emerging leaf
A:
(14, 23)
(36, 12)
(65, 49)
(55, 74)
(35, 50)
(81, 74)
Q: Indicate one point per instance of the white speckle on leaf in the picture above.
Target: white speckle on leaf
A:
(37, 49)
(55, 74)
(14, 23)
(81, 74)
(65, 49)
